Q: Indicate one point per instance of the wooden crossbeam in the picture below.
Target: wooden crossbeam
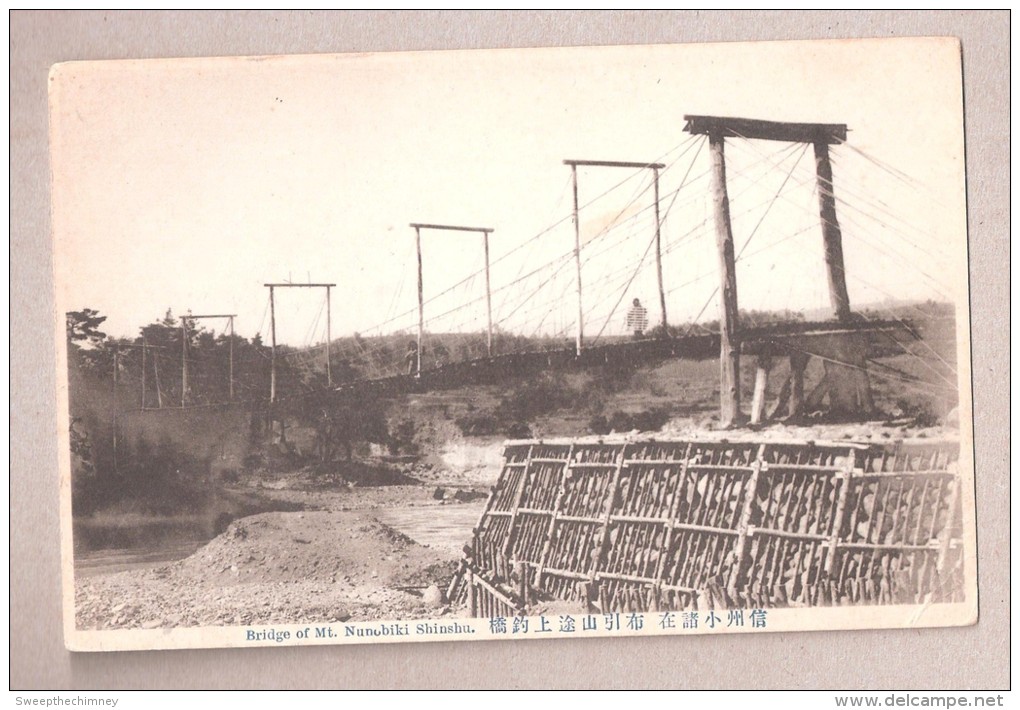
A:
(613, 164)
(281, 285)
(451, 227)
(732, 127)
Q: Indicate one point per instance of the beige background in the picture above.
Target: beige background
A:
(969, 657)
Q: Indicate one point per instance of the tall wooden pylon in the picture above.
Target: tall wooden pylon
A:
(821, 136)
(655, 168)
(230, 352)
(485, 232)
(729, 344)
(272, 329)
(831, 234)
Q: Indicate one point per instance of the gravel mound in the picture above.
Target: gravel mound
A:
(309, 546)
(302, 567)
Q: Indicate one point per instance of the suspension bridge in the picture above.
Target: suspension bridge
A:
(563, 312)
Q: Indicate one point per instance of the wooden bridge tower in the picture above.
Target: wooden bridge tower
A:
(842, 350)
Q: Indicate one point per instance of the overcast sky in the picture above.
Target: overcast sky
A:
(187, 184)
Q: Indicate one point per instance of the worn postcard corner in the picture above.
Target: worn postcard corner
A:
(492, 345)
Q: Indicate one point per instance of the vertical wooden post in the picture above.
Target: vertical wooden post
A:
(599, 558)
(845, 478)
(329, 335)
(761, 383)
(660, 567)
(116, 367)
(184, 361)
(231, 372)
(488, 291)
(471, 593)
(831, 234)
(946, 535)
(577, 260)
(729, 348)
(144, 348)
(561, 490)
(750, 498)
(155, 374)
(798, 363)
(511, 529)
(523, 588)
(658, 252)
(272, 344)
(421, 300)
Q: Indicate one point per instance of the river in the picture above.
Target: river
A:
(438, 526)
(109, 548)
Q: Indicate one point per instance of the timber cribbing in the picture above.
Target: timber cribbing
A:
(672, 525)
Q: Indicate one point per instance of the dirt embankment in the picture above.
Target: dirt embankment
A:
(321, 566)
(316, 550)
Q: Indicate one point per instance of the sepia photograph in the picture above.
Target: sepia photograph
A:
(506, 344)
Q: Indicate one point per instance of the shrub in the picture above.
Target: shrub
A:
(535, 398)
(402, 437)
(923, 411)
(647, 420)
(477, 424)
(519, 430)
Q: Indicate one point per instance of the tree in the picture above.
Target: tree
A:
(340, 423)
(83, 326)
(88, 348)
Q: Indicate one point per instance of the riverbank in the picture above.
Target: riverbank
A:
(285, 547)
(349, 559)
(315, 566)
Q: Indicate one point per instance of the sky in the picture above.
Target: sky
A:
(187, 184)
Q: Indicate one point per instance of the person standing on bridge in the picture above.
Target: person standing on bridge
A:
(412, 357)
(637, 319)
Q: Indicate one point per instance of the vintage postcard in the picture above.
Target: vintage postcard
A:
(513, 344)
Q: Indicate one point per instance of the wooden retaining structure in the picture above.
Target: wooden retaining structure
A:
(676, 525)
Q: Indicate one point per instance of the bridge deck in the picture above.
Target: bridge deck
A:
(773, 338)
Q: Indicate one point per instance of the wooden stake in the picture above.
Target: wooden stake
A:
(674, 505)
(518, 497)
(523, 587)
(471, 593)
(729, 353)
(601, 558)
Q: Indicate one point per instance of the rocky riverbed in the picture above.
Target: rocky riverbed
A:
(314, 566)
(327, 550)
